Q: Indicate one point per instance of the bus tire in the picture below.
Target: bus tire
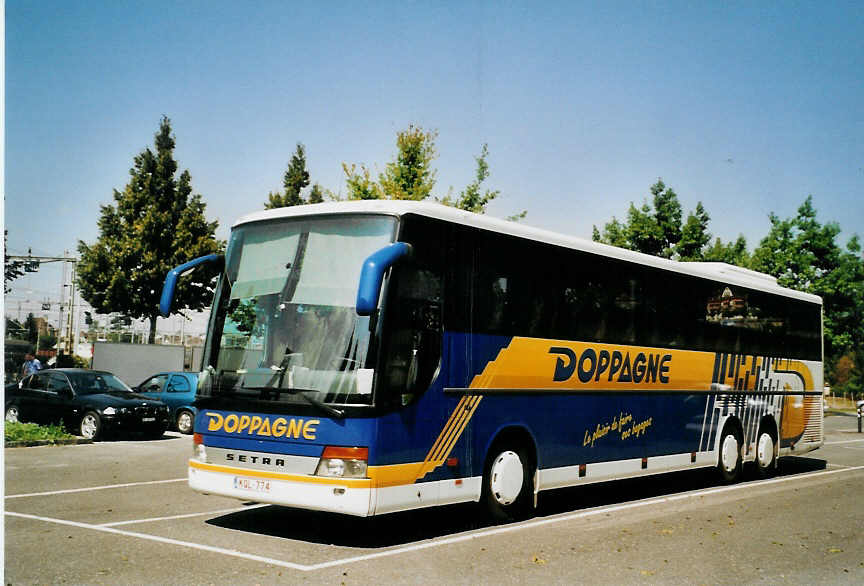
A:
(766, 457)
(507, 492)
(729, 458)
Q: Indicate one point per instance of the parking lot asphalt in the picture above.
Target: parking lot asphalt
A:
(120, 512)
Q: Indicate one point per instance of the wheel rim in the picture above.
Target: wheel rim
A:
(765, 450)
(12, 414)
(184, 422)
(89, 426)
(729, 454)
(506, 477)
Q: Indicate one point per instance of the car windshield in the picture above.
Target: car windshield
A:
(287, 324)
(90, 383)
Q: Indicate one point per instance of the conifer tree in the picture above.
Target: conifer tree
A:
(317, 194)
(295, 179)
(154, 225)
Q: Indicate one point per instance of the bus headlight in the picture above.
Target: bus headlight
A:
(339, 462)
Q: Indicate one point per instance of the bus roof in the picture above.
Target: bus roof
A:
(716, 271)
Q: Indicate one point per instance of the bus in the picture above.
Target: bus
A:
(378, 356)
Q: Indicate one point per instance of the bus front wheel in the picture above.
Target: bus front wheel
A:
(729, 461)
(507, 482)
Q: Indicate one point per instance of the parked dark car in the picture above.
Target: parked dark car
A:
(91, 403)
(177, 390)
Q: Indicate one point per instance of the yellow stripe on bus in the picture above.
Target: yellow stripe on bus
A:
(349, 482)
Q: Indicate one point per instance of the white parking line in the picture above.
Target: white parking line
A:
(844, 442)
(184, 516)
(446, 541)
(88, 489)
(210, 548)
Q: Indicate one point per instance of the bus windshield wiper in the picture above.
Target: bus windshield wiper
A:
(333, 411)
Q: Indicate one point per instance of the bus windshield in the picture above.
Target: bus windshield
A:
(285, 314)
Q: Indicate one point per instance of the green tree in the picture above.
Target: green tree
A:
(667, 215)
(733, 253)
(155, 224)
(694, 235)
(295, 179)
(316, 195)
(803, 254)
(643, 232)
(613, 233)
(360, 183)
(408, 176)
(471, 198)
(798, 251)
(656, 228)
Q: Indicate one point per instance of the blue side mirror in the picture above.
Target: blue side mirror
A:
(174, 275)
(372, 274)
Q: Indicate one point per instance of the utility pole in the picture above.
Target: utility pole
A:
(31, 265)
(70, 344)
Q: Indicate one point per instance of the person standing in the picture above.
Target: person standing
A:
(31, 365)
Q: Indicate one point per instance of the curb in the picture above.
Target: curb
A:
(59, 442)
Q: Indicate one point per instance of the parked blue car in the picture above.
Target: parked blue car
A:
(177, 390)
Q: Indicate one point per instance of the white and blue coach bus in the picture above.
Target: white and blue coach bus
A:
(378, 356)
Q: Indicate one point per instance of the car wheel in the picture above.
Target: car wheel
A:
(185, 421)
(729, 461)
(90, 426)
(12, 414)
(507, 482)
(766, 460)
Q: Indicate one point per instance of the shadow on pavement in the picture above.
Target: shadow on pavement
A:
(136, 436)
(414, 526)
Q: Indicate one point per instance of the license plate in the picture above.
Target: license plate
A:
(251, 484)
(146, 419)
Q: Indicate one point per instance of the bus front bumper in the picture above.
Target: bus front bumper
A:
(350, 496)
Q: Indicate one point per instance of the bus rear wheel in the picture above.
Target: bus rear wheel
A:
(766, 460)
(507, 483)
(729, 461)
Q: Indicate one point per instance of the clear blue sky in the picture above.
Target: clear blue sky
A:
(745, 106)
